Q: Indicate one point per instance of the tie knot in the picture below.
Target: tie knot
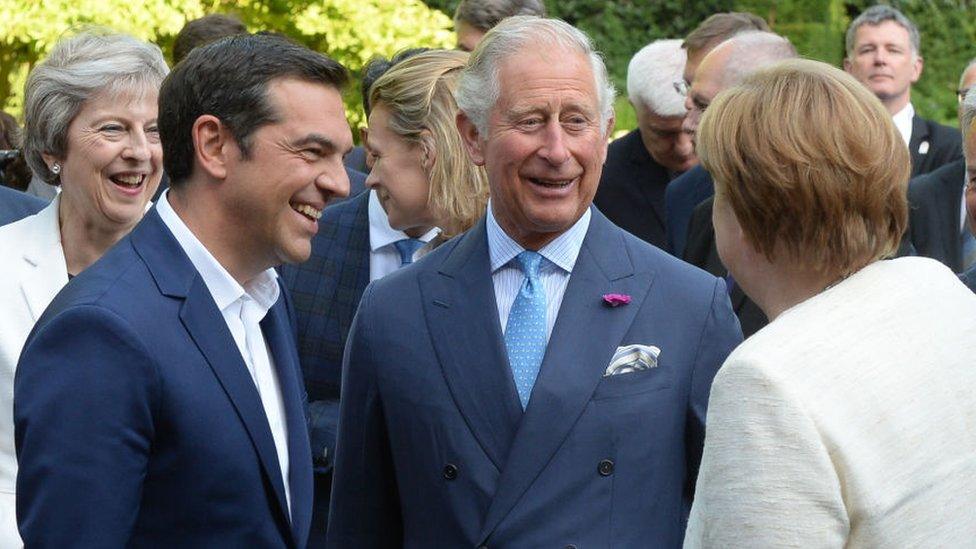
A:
(529, 262)
(407, 247)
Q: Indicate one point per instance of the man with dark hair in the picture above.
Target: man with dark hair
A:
(884, 53)
(473, 18)
(203, 31)
(689, 189)
(159, 400)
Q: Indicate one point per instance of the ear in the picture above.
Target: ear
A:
(919, 65)
(50, 159)
(471, 138)
(212, 142)
(428, 150)
(611, 122)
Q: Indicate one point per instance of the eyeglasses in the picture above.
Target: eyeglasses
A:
(961, 93)
(681, 87)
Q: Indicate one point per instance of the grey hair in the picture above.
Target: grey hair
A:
(485, 14)
(970, 65)
(875, 15)
(89, 64)
(651, 75)
(967, 114)
(478, 88)
(752, 50)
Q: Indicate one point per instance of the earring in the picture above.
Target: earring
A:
(56, 168)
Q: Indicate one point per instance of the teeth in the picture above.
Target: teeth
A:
(548, 183)
(131, 180)
(307, 211)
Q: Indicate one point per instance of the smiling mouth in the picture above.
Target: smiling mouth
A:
(128, 181)
(308, 211)
(551, 183)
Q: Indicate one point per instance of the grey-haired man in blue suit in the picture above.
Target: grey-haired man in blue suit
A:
(541, 380)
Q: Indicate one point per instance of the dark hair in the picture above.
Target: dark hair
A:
(229, 79)
(203, 31)
(485, 14)
(721, 26)
(378, 66)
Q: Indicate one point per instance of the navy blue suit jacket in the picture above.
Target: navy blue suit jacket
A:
(435, 450)
(137, 422)
(682, 195)
(935, 204)
(15, 205)
(325, 291)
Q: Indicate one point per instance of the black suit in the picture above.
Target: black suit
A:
(631, 191)
(935, 204)
(932, 145)
(701, 252)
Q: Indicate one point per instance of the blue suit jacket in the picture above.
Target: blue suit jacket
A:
(435, 450)
(682, 195)
(15, 205)
(137, 422)
(326, 290)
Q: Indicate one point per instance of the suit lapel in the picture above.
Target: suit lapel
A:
(585, 336)
(920, 134)
(281, 344)
(45, 257)
(459, 305)
(176, 277)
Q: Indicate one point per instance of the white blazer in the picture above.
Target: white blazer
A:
(34, 272)
(849, 421)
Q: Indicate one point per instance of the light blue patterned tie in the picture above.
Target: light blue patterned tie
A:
(407, 247)
(525, 332)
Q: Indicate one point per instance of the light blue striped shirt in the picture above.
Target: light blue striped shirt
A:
(559, 259)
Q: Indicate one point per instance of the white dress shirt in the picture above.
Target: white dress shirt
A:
(242, 308)
(903, 121)
(560, 258)
(383, 255)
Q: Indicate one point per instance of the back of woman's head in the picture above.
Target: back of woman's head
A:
(419, 94)
(811, 164)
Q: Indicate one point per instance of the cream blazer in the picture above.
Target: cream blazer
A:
(849, 421)
(33, 272)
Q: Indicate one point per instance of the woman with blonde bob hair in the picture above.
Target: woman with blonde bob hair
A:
(847, 421)
(421, 172)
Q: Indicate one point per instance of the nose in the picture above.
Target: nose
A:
(334, 182)
(684, 146)
(554, 149)
(690, 124)
(138, 147)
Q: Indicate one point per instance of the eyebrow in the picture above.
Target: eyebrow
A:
(320, 140)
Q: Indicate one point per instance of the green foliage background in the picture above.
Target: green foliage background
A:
(353, 31)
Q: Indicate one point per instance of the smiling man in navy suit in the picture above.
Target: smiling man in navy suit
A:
(540, 381)
(159, 401)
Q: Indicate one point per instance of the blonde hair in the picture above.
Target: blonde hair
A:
(419, 92)
(811, 164)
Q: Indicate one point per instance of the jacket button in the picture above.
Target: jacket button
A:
(571, 546)
(605, 468)
(450, 471)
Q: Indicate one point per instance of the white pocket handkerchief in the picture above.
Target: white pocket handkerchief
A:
(632, 358)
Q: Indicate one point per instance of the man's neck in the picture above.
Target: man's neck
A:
(896, 104)
(206, 221)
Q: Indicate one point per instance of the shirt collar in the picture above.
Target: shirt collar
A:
(381, 233)
(903, 121)
(562, 251)
(224, 289)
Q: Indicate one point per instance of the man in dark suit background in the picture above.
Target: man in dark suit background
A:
(689, 189)
(725, 66)
(15, 205)
(937, 226)
(642, 163)
(542, 379)
(159, 401)
(884, 53)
